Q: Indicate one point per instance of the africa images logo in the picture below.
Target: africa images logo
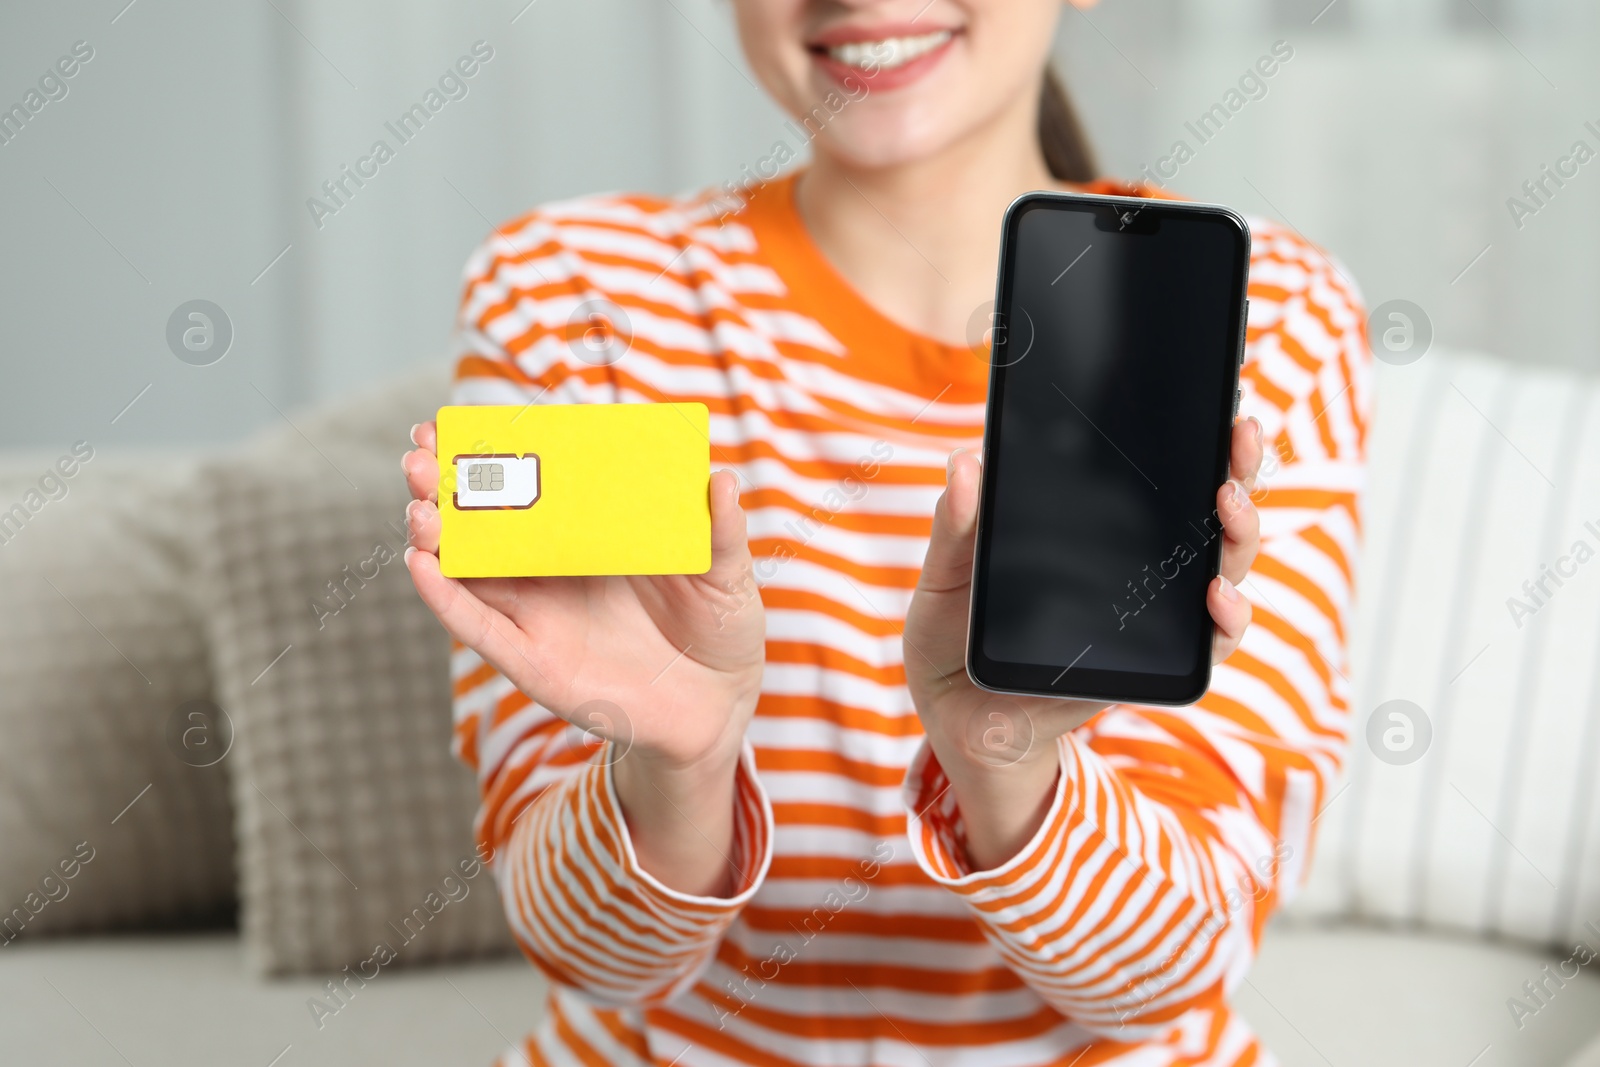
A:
(1399, 732)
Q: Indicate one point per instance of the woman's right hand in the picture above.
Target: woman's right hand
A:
(680, 655)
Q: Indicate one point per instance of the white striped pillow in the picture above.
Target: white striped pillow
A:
(1483, 476)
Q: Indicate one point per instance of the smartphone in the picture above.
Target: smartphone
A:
(1117, 337)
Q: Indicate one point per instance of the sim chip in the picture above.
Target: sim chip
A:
(496, 481)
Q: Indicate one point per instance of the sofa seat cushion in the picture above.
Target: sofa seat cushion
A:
(1318, 995)
(188, 999)
(1380, 997)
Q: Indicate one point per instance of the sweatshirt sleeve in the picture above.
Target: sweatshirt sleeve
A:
(1173, 833)
(585, 912)
(577, 901)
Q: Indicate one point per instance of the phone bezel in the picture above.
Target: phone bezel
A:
(1083, 683)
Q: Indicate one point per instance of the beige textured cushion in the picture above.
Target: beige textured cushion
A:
(352, 812)
(99, 647)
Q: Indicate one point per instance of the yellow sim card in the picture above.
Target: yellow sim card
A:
(574, 489)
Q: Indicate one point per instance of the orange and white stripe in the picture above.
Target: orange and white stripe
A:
(856, 935)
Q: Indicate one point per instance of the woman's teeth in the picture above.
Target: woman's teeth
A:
(889, 53)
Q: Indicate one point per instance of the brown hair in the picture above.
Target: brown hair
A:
(1061, 137)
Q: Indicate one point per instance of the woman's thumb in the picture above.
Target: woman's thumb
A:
(730, 548)
(948, 565)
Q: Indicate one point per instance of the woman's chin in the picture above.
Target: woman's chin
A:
(882, 142)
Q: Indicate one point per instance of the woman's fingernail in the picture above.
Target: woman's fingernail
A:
(950, 464)
(411, 511)
(409, 550)
(1261, 434)
(414, 430)
(1236, 497)
(403, 468)
(1229, 593)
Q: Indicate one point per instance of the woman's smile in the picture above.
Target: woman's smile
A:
(887, 55)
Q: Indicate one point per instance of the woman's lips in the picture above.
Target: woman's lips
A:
(882, 59)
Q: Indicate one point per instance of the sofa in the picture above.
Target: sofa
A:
(233, 831)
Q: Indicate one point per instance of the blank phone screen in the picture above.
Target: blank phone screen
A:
(1116, 347)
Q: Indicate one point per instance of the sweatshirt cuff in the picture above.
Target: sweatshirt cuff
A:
(750, 855)
(583, 909)
(938, 835)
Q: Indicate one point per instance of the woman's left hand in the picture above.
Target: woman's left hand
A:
(1000, 752)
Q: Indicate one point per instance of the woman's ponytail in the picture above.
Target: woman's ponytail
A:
(1061, 137)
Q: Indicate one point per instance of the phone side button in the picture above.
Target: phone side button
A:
(1238, 394)
(1244, 333)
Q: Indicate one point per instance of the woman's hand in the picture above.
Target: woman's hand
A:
(999, 752)
(680, 656)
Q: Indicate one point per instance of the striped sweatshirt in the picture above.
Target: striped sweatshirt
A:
(856, 933)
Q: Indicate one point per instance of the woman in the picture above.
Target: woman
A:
(791, 850)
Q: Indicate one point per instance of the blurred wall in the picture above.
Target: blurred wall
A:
(179, 163)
